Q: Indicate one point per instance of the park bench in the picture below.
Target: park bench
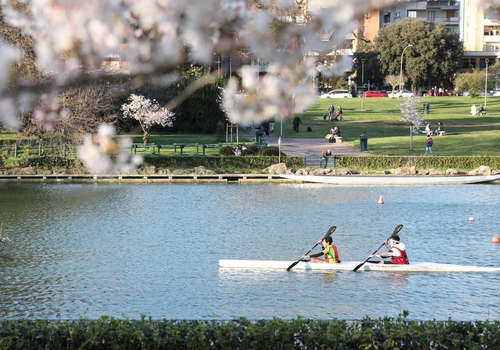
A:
(217, 145)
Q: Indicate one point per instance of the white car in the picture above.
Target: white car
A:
(402, 93)
(337, 94)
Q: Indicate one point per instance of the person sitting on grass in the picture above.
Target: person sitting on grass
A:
(330, 253)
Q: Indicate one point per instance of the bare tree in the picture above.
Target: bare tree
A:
(393, 80)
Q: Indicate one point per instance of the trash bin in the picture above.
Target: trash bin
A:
(426, 108)
(324, 162)
(363, 143)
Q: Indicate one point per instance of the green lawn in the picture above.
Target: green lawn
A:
(380, 121)
(387, 135)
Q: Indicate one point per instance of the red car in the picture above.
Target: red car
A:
(375, 93)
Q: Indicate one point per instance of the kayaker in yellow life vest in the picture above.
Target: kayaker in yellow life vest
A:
(330, 253)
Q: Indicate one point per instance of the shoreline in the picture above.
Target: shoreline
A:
(228, 178)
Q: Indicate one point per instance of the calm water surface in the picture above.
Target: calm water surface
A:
(126, 250)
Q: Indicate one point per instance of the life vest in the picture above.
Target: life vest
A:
(331, 254)
(402, 259)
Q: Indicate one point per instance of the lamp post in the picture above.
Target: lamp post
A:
(363, 83)
(486, 83)
(401, 70)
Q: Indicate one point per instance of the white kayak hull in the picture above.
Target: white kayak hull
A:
(350, 265)
(393, 180)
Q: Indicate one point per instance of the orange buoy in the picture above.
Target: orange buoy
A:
(471, 219)
(380, 200)
(495, 239)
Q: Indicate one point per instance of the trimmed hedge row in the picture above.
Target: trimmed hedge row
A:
(382, 333)
(420, 162)
(261, 162)
(247, 162)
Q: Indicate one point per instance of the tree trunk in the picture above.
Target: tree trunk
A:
(411, 138)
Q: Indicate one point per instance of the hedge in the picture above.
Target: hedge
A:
(419, 162)
(261, 162)
(382, 333)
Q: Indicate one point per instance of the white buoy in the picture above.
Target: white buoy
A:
(380, 200)
(471, 219)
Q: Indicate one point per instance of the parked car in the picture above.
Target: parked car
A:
(375, 93)
(337, 94)
(402, 93)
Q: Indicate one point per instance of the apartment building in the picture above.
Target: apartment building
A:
(478, 27)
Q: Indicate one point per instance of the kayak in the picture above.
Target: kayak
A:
(394, 180)
(350, 265)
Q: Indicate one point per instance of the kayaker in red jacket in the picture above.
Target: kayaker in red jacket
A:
(397, 252)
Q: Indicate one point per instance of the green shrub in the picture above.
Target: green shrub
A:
(252, 149)
(271, 151)
(226, 151)
(382, 333)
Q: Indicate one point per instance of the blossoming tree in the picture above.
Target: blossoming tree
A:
(148, 113)
(410, 116)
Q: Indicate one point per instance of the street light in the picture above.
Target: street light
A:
(363, 83)
(401, 71)
(486, 83)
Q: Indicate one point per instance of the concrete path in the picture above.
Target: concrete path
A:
(304, 147)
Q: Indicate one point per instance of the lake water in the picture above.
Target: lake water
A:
(126, 250)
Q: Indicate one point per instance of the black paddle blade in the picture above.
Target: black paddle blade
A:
(293, 265)
(395, 232)
(328, 233)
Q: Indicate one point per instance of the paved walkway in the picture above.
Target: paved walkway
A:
(304, 147)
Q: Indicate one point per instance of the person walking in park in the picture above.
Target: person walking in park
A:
(428, 144)
(296, 123)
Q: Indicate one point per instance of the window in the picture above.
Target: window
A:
(431, 16)
(412, 14)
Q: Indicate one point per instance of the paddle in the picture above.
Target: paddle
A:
(330, 231)
(396, 230)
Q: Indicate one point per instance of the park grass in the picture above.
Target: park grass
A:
(379, 120)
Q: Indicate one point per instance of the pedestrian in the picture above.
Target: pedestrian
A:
(271, 124)
(428, 144)
(339, 111)
(326, 153)
(296, 122)
(330, 111)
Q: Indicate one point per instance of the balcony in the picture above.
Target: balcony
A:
(443, 4)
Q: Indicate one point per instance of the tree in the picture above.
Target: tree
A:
(148, 113)
(409, 110)
(67, 116)
(394, 80)
(372, 72)
(434, 58)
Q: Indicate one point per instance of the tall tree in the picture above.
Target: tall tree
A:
(434, 58)
(370, 71)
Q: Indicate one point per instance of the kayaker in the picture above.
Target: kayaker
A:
(330, 253)
(397, 252)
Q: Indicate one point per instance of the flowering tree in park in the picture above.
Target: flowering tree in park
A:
(71, 38)
(148, 113)
(409, 110)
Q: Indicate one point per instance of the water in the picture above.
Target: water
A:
(126, 250)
